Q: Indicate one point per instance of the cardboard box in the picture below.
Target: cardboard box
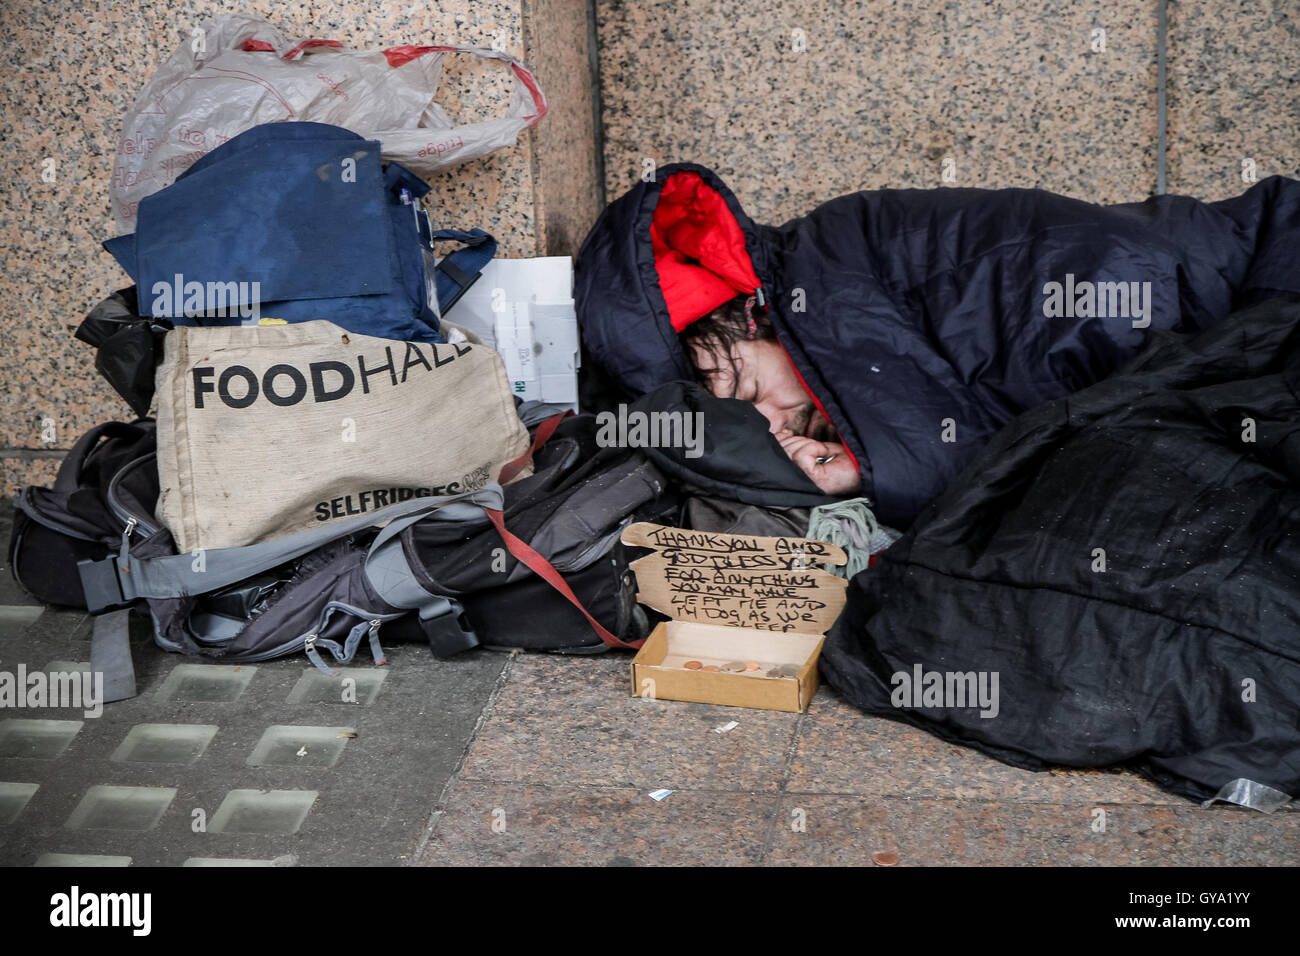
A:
(776, 605)
(657, 668)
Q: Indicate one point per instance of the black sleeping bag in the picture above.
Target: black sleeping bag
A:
(1127, 561)
(921, 321)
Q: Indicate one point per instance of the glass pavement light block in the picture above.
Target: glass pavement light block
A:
(316, 687)
(121, 808)
(165, 743)
(208, 683)
(42, 739)
(13, 797)
(81, 859)
(258, 811)
(16, 618)
(290, 746)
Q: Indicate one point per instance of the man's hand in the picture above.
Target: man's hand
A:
(838, 476)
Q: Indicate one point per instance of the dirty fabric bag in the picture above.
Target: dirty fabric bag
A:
(286, 222)
(267, 431)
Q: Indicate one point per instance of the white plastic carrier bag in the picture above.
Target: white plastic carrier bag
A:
(236, 72)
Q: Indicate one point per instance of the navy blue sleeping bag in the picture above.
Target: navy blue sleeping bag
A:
(921, 321)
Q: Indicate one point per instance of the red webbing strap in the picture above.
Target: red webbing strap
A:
(544, 431)
(542, 568)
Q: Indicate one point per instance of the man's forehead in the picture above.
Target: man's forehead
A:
(717, 369)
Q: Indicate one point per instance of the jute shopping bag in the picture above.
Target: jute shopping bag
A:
(265, 431)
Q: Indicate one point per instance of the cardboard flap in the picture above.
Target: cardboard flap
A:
(736, 580)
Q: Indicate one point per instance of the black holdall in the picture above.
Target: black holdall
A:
(572, 510)
(102, 497)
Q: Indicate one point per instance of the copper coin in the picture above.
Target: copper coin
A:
(710, 667)
(751, 665)
(693, 665)
(885, 859)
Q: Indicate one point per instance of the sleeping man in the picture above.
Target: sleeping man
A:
(734, 359)
(886, 335)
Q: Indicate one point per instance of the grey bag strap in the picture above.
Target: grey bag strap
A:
(122, 579)
(110, 655)
(390, 576)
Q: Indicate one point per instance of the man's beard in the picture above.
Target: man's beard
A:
(811, 423)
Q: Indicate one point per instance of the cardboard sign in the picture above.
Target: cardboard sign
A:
(763, 583)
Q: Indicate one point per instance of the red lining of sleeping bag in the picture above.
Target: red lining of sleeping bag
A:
(821, 408)
(699, 250)
(700, 256)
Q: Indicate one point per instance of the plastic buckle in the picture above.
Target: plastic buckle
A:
(101, 585)
(449, 633)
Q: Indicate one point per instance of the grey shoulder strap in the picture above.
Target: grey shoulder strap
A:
(110, 655)
(111, 582)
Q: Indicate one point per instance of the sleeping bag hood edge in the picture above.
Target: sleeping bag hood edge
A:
(702, 251)
(619, 292)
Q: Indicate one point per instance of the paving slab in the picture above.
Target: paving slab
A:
(201, 768)
(489, 824)
(841, 750)
(847, 831)
(571, 721)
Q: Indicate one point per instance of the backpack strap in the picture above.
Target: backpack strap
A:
(527, 555)
(389, 574)
(121, 579)
(110, 655)
(544, 431)
(523, 551)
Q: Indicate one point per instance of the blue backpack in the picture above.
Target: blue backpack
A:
(293, 222)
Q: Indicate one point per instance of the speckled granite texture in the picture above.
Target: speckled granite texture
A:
(884, 91)
(561, 767)
(78, 69)
(1234, 94)
(556, 34)
(881, 94)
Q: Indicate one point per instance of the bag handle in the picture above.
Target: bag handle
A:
(544, 431)
(459, 270)
(525, 553)
(261, 46)
(401, 55)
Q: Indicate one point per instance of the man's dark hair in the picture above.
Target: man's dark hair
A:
(717, 335)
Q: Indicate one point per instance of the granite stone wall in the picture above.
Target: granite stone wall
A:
(795, 103)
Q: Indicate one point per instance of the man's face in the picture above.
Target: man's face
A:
(764, 376)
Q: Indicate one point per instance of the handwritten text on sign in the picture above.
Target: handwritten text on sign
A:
(771, 584)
